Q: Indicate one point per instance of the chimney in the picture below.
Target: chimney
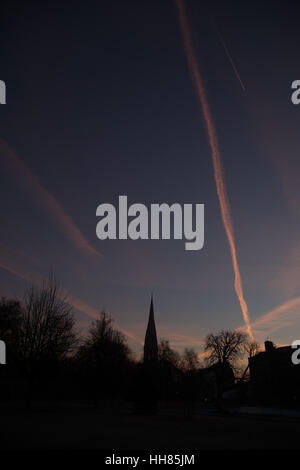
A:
(269, 346)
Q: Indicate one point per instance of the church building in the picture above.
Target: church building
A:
(150, 344)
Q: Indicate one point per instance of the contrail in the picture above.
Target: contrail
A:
(216, 157)
(64, 295)
(230, 58)
(284, 315)
(47, 200)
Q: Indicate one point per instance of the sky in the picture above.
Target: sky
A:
(101, 103)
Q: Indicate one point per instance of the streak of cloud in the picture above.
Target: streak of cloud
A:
(177, 339)
(47, 200)
(14, 267)
(235, 71)
(93, 313)
(216, 157)
(284, 315)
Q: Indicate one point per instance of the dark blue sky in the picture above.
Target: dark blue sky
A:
(100, 103)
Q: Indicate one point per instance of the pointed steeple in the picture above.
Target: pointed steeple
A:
(150, 345)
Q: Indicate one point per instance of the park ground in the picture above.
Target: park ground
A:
(83, 428)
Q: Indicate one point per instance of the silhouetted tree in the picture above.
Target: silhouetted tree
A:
(189, 386)
(169, 362)
(10, 319)
(166, 355)
(103, 358)
(251, 348)
(47, 332)
(225, 347)
(189, 360)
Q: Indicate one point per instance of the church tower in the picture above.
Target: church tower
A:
(150, 345)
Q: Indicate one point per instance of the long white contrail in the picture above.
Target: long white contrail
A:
(47, 200)
(216, 157)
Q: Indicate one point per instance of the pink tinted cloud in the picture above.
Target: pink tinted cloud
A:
(17, 264)
(47, 200)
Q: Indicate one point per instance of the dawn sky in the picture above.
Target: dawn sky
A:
(100, 103)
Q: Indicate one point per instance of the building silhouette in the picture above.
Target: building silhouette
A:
(273, 376)
(150, 344)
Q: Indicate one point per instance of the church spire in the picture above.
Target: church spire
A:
(150, 345)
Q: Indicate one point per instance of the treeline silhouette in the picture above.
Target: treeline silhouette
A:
(49, 361)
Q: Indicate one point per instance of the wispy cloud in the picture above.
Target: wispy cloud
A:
(284, 315)
(46, 199)
(229, 56)
(15, 263)
(216, 158)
